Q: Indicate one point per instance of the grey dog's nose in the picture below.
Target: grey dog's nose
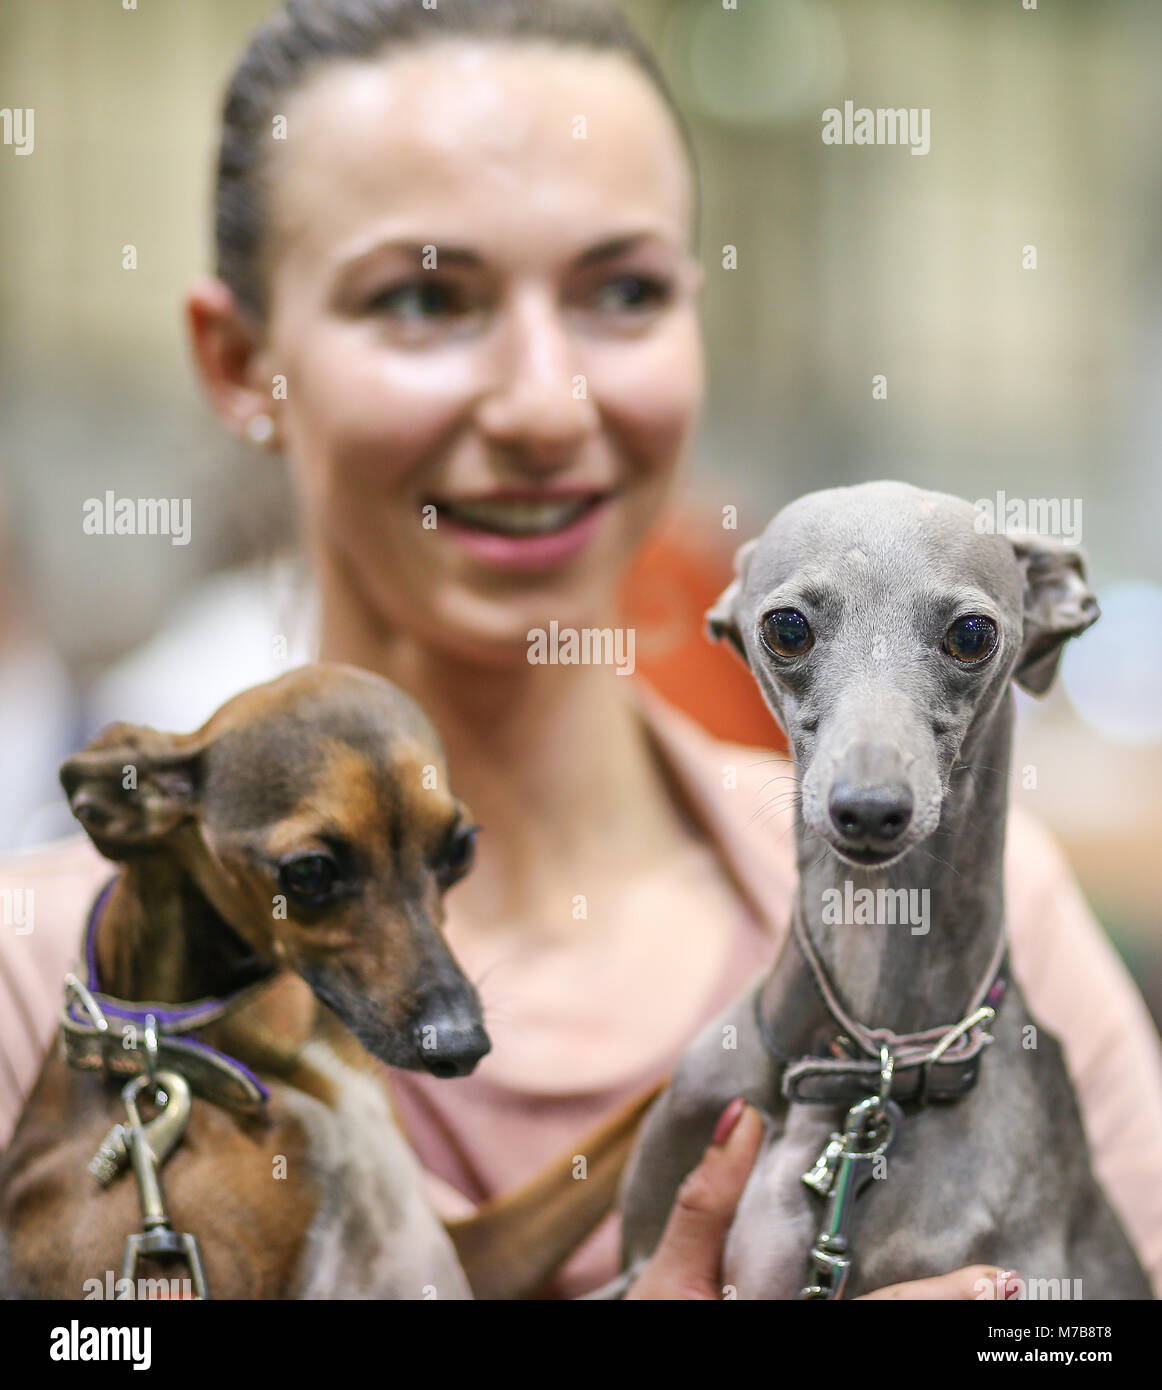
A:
(876, 816)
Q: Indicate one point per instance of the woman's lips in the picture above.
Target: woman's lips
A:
(522, 532)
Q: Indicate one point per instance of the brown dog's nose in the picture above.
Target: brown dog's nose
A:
(449, 1035)
(456, 1052)
(875, 816)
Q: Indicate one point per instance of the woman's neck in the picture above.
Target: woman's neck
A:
(553, 760)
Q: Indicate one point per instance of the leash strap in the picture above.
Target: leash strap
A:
(936, 1064)
(130, 1037)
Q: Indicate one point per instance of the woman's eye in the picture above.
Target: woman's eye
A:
(419, 299)
(458, 855)
(634, 293)
(309, 878)
(786, 632)
(971, 639)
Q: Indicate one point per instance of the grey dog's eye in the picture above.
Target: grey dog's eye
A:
(971, 639)
(786, 632)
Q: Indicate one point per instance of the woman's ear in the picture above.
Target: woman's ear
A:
(1058, 605)
(131, 787)
(228, 353)
(721, 621)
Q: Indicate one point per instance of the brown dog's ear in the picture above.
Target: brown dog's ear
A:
(132, 786)
(1058, 605)
(720, 620)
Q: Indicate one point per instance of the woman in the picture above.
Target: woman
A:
(456, 289)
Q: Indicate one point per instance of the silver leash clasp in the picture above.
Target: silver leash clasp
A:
(841, 1172)
(148, 1146)
(172, 1095)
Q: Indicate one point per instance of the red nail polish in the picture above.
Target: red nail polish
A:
(1008, 1284)
(728, 1119)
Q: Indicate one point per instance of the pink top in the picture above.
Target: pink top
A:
(477, 1138)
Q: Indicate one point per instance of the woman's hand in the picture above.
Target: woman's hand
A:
(688, 1261)
(970, 1283)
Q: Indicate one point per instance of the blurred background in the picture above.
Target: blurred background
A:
(852, 262)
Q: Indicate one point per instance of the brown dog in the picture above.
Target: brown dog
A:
(283, 867)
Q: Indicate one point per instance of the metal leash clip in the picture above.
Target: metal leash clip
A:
(841, 1172)
(147, 1146)
(158, 1238)
(172, 1095)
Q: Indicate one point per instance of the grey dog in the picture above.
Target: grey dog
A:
(884, 625)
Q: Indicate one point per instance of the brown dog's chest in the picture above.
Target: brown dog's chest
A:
(309, 1200)
(64, 1230)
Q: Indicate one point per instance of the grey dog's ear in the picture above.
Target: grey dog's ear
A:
(720, 620)
(1058, 605)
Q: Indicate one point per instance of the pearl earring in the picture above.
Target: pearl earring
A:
(260, 429)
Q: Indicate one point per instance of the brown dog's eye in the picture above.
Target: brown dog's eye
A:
(308, 878)
(458, 855)
(786, 632)
(971, 639)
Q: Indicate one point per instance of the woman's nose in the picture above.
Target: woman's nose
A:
(539, 402)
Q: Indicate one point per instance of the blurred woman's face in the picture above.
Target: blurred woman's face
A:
(485, 306)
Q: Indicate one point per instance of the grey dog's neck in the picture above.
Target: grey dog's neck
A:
(890, 975)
